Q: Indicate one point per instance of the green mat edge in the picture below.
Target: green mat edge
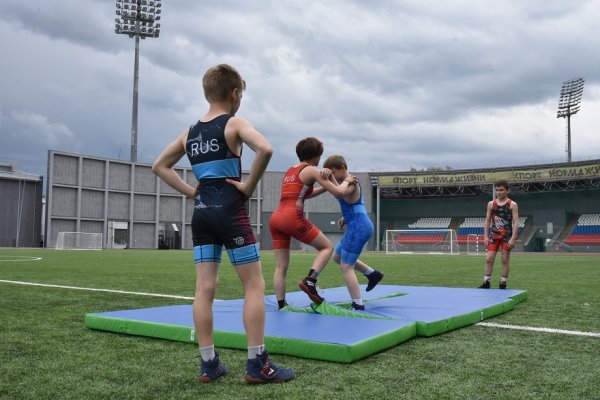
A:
(277, 345)
(520, 297)
(428, 329)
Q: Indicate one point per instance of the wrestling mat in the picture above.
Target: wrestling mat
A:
(329, 331)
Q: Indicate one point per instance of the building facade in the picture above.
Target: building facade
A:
(133, 208)
(20, 208)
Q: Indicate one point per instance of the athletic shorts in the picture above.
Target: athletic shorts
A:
(495, 243)
(220, 219)
(358, 233)
(287, 225)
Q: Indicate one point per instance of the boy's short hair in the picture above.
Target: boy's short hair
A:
(220, 80)
(502, 183)
(336, 162)
(309, 148)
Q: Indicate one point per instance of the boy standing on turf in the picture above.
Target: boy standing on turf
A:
(214, 147)
(503, 215)
(359, 229)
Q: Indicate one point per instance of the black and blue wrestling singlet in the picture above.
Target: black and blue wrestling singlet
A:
(208, 152)
(220, 215)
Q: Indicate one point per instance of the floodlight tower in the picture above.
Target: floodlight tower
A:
(568, 104)
(139, 19)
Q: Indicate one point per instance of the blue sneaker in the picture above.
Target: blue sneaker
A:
(261, 370)
(212, 370)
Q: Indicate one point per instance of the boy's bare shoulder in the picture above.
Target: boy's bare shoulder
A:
(311, 169)
(238, 121)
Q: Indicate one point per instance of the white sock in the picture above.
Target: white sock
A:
(207, 353)
(368, 271)
(503, 279)
(255, 351)
(487, 278)
(358, 301)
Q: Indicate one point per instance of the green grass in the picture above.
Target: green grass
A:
(47, 353)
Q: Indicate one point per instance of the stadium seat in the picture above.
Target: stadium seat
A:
(586, 232)
(424, 237)
(431, 223)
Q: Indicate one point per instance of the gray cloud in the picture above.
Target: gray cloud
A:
(390, 85)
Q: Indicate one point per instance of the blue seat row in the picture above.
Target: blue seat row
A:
(586, 229)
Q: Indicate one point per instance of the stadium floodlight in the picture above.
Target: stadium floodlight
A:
(136, 20)
(568, 104)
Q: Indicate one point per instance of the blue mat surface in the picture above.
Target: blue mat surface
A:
(393, 315)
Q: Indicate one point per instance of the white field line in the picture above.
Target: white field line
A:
(169, 296)
(535, 329)
(18, 258)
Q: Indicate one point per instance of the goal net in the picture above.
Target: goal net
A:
(475, 245)
(78, 241)
(421, 241)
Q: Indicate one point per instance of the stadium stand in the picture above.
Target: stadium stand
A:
(431, 223)
(586, 231)
(474, 226)
(422, 235)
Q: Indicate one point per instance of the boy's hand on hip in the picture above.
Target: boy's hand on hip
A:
(241, 186)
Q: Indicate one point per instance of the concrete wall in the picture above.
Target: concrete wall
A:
(84, 193)
(20, 209)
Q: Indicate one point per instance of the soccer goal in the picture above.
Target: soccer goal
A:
(475, 245)
(78, 241)
(421, 241)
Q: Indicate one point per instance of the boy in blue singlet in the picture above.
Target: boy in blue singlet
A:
(220, 219)
(359, 229)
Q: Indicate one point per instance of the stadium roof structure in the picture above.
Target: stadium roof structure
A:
(583, 175)
(8, 171)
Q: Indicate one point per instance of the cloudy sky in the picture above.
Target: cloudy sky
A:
(388, 84)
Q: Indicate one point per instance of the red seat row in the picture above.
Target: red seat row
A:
(593, 239)
(418, 239)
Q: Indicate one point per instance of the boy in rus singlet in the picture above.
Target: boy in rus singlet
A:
(503, 215)
(214, 147)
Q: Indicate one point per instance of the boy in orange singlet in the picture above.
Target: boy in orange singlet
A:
(288, 219)
(503, 215)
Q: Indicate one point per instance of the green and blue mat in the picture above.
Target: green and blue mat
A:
(329, 331)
